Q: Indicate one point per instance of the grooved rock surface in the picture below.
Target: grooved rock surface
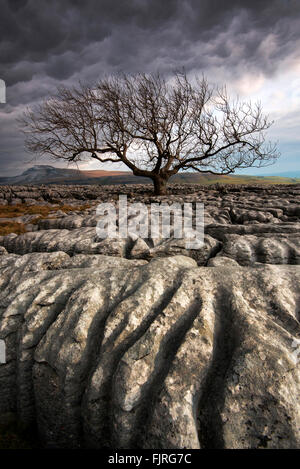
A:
(142, 343)
(160, 355)
(247, 250)
(248, 224)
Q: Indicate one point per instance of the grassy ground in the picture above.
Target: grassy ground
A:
(207, 179)
(7, 227)
(12, 211)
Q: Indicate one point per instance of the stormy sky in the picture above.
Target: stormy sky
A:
(251, 45)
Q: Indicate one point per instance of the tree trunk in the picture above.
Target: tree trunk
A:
(160, 185)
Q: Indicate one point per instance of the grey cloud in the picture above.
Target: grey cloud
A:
(40, 32)
(43, 44)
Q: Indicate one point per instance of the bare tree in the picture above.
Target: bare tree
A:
(154, 126)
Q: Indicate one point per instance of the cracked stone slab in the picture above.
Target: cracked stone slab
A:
(164, 354)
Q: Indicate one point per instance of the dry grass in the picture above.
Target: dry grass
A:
(42, 211)
(12, 211)
(7, 227)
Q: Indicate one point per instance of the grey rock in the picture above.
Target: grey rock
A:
(161, 355)
(83, 240)
(221, 261)
(173, 247)
(143, 343)
(248, 249)
(220, 231)
(140, 250)
(2, 251)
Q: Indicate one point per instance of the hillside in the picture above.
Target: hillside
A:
(46, 174)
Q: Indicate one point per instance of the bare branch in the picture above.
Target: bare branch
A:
(155, 126)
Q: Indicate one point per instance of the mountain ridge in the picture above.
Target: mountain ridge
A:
(47, 174)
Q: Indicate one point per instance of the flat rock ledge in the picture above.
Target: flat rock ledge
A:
(109, 352)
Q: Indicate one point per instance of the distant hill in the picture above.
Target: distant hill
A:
(207, 178)
(286, 174)
(40, 174)
(46, 174)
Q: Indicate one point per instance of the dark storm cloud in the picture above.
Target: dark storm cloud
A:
(36, 37)
(45, 43)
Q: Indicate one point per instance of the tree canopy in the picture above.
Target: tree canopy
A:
(154, 125)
